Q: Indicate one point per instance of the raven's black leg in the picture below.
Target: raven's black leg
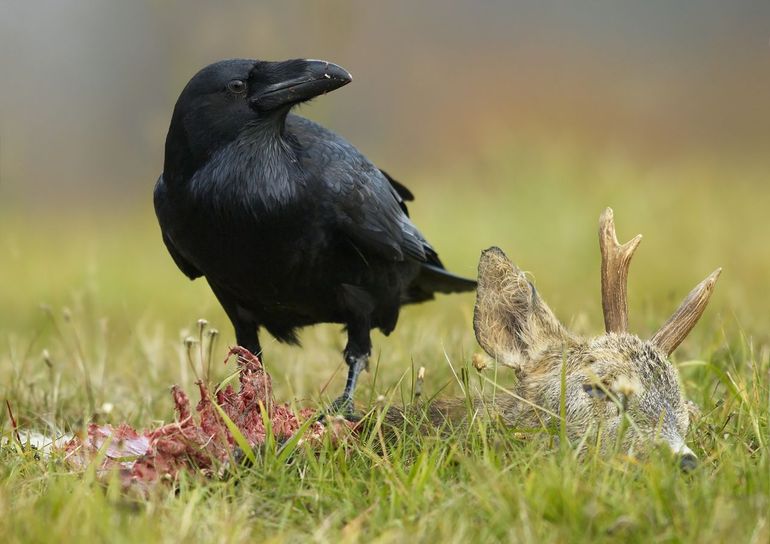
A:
(357, 353)
(246, 336)
(244, 324)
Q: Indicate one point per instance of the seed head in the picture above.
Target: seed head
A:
(479, 362)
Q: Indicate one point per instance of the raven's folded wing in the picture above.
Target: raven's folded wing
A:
(184, 265)
(367, 206)
(160, 200)
(370, 215)
(400, 191)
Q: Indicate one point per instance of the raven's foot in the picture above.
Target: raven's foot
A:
(342, 406)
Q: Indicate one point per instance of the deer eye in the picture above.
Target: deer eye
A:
(236, 86)
(596, 391)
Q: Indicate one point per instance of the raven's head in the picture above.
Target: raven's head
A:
(224, 97)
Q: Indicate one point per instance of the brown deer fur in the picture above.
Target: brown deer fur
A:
(606, 378)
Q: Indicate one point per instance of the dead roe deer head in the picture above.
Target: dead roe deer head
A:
(606, 378)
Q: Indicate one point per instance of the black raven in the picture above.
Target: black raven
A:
(289, 223)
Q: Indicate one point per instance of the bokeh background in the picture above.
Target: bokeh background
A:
(514, 123)
(88, 86)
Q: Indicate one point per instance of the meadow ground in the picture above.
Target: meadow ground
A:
(98, 293)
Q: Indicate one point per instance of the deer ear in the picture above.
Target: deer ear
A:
(510, 319)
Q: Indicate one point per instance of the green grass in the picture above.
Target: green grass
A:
(101, 297)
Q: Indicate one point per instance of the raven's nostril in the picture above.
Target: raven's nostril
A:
(688, 462)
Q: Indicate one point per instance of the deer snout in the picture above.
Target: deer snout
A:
(688, 462)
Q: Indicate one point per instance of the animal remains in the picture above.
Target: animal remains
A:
(605, 381)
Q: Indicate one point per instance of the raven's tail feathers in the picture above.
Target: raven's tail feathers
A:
(435, 279)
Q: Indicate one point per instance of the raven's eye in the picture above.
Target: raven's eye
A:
(236, 86)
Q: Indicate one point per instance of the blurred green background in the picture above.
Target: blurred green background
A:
(514, 123)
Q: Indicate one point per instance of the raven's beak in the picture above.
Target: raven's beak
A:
(300, 80)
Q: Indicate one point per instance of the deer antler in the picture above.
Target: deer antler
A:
(679, 325)
(615, 261)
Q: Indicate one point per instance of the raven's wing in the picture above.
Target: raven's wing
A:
(184, 265)
(402, 194)
(367, 206)
(160, 201)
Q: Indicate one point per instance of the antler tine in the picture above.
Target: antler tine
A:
(615, 261)
(679, 325)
